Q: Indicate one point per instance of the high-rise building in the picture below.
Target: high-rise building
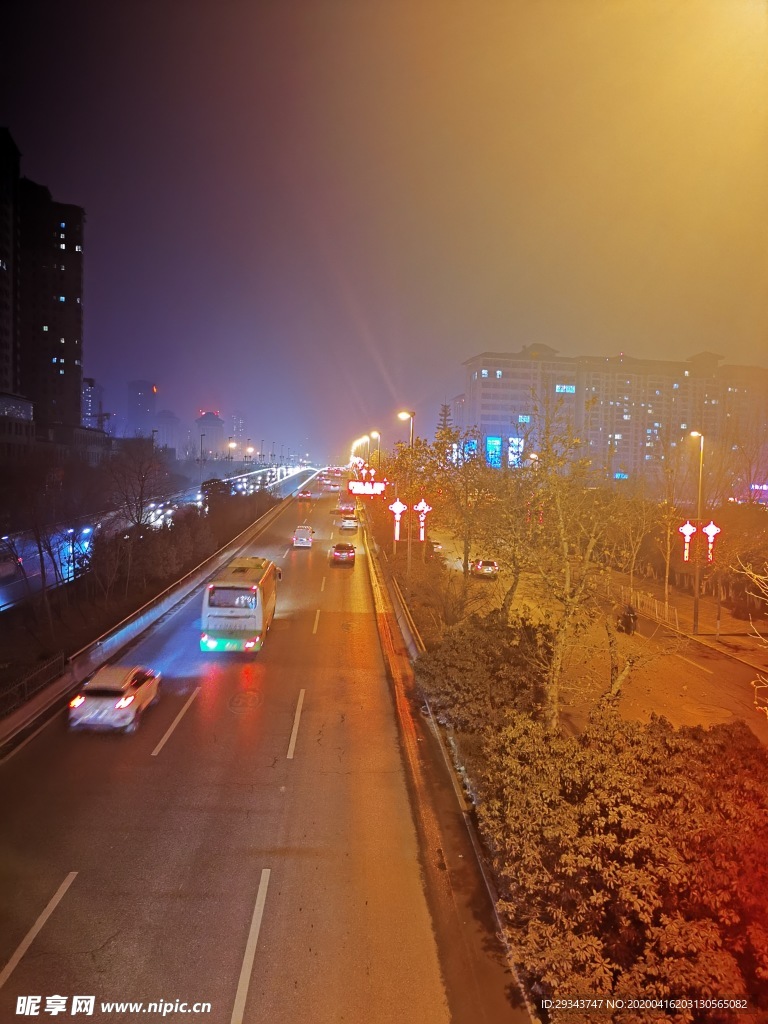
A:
(141, 406)
(627, 412)
(92, 404)
(9, 192)
(210, 429)
(50, 305)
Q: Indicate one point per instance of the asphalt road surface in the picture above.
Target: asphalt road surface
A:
(252, 846)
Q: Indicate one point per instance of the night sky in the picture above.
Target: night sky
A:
(313, 211)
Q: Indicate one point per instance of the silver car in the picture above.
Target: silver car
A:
(114, 698)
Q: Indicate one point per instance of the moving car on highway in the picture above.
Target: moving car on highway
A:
(342, 554)
(114, 698)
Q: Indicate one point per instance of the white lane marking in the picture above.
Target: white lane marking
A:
(699, 667)
(322, 585)
(317, 619)
(285, 553)
(173, 724)
(29, 938)
(250, 950)
(295, 730)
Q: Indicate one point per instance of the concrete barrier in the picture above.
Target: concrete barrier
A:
(84, 662)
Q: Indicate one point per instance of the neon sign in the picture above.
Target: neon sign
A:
(366, 486)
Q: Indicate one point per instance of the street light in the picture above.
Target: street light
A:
(377, 436)
(409, 416)
(202, 438)
(697, 560)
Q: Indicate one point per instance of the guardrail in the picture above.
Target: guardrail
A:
(20, 704)
(20, 692)
(651, 606)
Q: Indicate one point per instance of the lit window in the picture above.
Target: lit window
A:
(61, 372)
(627, 416)
(61, 298)
(687, 373)
(484, 373)
(45, 328)
(493, 452)
(675, 387)
(54, 360)
(78, 248)
(61, 341)
(62, 224)
(523, 418)
(498, 374)
(62, 245)
(515, 451)
(565, 389)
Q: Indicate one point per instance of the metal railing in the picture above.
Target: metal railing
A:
(651, 606)
(18, 693)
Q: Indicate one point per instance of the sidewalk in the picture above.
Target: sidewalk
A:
(718, 628)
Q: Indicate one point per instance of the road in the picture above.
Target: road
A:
(70, 544)
(252, 845)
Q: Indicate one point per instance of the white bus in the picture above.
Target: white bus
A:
(239, 605)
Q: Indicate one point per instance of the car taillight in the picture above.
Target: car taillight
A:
(77, 701)
(125, 701)
(249, 644)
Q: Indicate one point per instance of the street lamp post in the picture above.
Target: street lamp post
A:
(202, 438)
(409, 416)
(697, 560)
(377, 437)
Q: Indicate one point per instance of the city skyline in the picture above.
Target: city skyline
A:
(323, 227)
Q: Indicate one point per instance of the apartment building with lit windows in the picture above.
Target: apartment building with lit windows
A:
(50, 306)
(627, 412)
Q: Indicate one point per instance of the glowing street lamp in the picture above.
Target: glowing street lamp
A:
(377, 436)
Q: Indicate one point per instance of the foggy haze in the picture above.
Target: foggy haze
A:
(315, 211)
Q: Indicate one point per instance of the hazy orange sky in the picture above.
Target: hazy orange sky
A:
(314, 211)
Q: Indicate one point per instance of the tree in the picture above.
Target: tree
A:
(445, 419)
(628, 859)
(463, 485)
(138, 477)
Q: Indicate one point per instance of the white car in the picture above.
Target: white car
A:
(302, 537)
(114, 698)
(348, 523)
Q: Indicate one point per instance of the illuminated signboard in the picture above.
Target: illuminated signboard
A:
(366, 486)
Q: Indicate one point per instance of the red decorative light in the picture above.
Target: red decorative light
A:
(687, 530)
(711, 531)
(398, 508)
(422, 508)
